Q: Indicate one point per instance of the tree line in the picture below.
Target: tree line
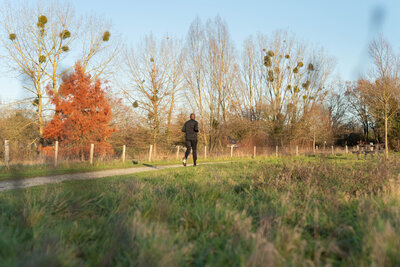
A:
(274, 90)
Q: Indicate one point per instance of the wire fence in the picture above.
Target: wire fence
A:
(29, 154)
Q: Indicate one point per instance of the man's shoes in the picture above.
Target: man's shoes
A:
(194, 164)
(184, 162)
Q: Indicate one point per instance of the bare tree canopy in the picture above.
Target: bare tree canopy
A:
(41, 42)
(155, 76)
(275, 89)
(382, 90)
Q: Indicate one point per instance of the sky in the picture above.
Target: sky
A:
(342, 28)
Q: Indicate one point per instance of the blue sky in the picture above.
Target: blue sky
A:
(342, 28)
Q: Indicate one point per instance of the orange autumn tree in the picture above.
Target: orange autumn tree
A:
(82, 116)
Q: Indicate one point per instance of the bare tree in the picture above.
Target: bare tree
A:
(37, 40)
(211, 75)
(195, 73)
(295, 76)
(337, 107)
(254, 81)
(318, 125)
(149, 70)
(100, 50)
(176, 58)
(220, 60)
(358, 106)
(383, 92)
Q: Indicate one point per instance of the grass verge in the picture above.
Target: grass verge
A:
(18, 171)
(293, 211)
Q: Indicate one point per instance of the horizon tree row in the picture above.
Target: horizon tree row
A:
(274, 90)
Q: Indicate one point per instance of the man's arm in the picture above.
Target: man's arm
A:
(184, 128)
(196, 127)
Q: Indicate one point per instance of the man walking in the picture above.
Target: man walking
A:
(191, 128)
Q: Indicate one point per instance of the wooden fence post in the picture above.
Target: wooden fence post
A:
(150, 151)
(255, 152)
(332, 150)
(276, 151)
(7, 153)
(231, 151)
(177, 151)
(123, 153)
(91, 153)
(205, 152)
(55, 154)
(297, 150)
(347, 149)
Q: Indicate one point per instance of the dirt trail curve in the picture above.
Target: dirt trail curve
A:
(43, 180)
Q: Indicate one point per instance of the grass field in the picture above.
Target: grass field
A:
(271, 212)
(17, 171)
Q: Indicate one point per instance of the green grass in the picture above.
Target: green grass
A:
(282, 212)
(17, 171)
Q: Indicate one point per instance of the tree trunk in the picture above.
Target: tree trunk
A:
(171, 107)
(40, 121)
(313, 145)
(156, 129)
(386, 137)
(40, 115)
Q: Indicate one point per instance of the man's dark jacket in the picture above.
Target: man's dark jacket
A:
(191, 128)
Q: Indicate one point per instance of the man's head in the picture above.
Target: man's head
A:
(192, 116)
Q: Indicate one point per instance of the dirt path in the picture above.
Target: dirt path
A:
(43, 180)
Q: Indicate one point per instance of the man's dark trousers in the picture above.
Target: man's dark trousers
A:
(191, 144)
